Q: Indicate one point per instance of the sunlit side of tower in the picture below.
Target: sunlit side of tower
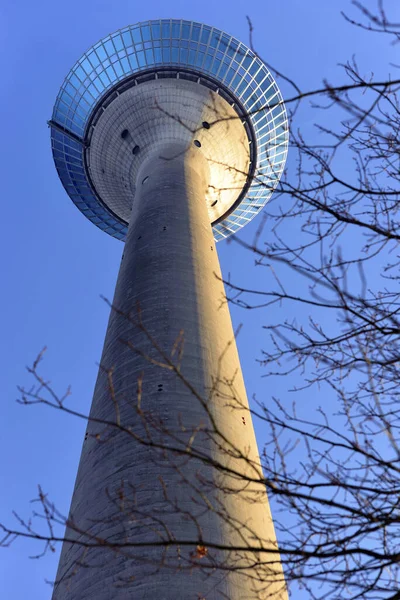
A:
(169, 135)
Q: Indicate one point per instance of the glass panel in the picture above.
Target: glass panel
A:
(241, 88)
(205, 34)
(146, 33)
(96, 87)
(75, 129)
(141, 59)
(280, 139)
(66, 98)
(155, 31)
(230, 75)
(137, 38)
(70, 89)
(276, 111)
(241, 51)
(80, 73)
(166, 30)
(185, 32)
(236, 81)
(61, 108)
(101, 53)
(133, 62)
(254, 68)
(88, 97)
(85, 64)
(215, 39)
(223, 71)
(195, 33)
(216, 66)
(117, 42)
(126, 36)
(232, 47)
(104, 79)
(224, 43)
(192, 57)
(207, 62)
(149, 57)
(261, 75)
(125, 65)
(109, 48)
(176, 30)
(74, 81)
(184, 56)
(157, 55)
(111, 73)
(263, 121)
(247, 61)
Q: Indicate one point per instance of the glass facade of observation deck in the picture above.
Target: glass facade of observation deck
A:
(178, 44)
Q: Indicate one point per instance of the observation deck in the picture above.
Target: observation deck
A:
(169, 81)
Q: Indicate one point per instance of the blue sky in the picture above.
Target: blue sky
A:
(55, 264)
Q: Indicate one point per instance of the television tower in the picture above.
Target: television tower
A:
(169, 135)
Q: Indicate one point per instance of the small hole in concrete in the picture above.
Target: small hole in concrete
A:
(136, 150)
(145, 179)
(197, 143)
(103, 171)
(124, 134)
(140, 237)
(164, 228)
(206, 125)
(214, 203)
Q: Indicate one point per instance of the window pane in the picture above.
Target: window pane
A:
(117, 42)
(185, 32)
(205, 34)
(155, 30)
(195, 33)
(166, 30)
(109, 47)
(126, 36)
(133, 62)
(146, 33)
(137, 38)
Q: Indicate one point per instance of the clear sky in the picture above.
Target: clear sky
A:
(55, 264)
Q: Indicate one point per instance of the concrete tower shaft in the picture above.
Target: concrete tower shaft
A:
(130, 487)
